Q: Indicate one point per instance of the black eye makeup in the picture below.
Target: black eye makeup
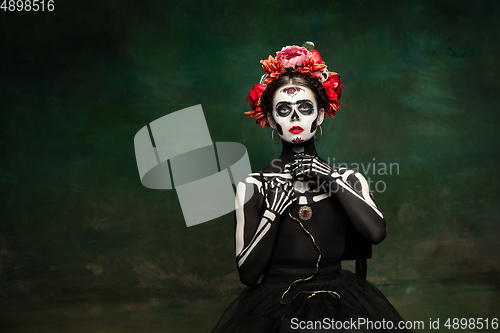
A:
(283, 110)
(306, 109)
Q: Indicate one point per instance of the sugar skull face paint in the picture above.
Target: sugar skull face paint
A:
(291, 91)
(295, 113)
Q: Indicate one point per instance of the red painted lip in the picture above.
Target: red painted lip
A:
(296, 130)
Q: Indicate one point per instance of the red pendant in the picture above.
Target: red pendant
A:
(305, 213)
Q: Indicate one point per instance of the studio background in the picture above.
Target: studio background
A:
(84, 247)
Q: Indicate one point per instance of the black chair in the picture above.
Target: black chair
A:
(359, 249)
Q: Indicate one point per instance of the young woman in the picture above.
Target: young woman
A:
(293, 217)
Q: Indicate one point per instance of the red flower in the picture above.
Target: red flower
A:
(254, 100)
(334, 108)
(311, 67)
(254, 95)
(316, 56)
(272, 68)
(333, 87)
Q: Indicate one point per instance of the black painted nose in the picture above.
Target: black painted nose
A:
(295, 116)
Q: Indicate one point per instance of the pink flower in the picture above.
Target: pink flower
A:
(292, 56)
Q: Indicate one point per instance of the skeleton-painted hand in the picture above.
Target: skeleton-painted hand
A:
(279, 196)
(307, 166)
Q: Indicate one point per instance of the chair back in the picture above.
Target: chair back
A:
(357, 248)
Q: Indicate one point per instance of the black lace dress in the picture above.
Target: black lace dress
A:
(298, 292)
(360, 307)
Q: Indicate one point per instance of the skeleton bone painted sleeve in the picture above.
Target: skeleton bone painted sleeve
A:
(353, 193)
(256, 227)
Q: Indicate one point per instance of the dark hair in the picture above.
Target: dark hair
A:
(294, 78)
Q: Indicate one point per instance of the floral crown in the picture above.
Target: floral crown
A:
(298, 59)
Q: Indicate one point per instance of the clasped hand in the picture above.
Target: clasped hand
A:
(310, 167)
(279, 195)
(280, 190)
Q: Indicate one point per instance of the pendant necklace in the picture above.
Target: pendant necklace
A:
(305, 213)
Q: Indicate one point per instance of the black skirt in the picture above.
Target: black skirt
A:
(334, 300)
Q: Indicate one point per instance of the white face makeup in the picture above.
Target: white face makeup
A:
(295, 112)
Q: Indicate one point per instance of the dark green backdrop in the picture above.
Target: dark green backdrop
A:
(84, 247)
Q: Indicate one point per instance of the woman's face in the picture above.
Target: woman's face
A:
(295, 113)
